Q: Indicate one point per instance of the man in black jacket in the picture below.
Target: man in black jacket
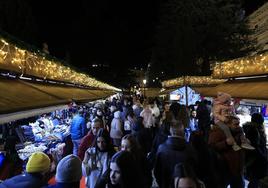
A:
(174, 150)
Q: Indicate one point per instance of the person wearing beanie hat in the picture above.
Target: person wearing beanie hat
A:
(38, 162)
(68, 173)
(37, 169)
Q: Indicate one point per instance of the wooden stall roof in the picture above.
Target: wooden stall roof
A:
(152, 92)
(17, 95)
(206, 91)
(244, 89)
(250, 89)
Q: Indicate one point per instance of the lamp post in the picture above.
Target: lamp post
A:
(144, 84)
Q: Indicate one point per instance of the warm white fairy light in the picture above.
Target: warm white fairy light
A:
(192, 80)
(247, 66)
(19, 60)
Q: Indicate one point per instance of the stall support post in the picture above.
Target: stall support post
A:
(186, 94)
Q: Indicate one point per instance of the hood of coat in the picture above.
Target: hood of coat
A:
(117, 114)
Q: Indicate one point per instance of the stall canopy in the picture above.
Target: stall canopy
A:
(206, 91)
(209, 91)
(18, 95)
(192, 81)
(204, 85)
(32, 82)
(152, 92)
(244, 89)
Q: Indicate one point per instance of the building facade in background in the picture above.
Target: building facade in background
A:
(258, 22)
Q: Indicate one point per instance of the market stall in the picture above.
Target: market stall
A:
(247, 80)
(37, 95)
(188, 87)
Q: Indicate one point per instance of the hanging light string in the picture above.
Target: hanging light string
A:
(19, 60)
(192, 80)
(246, 66)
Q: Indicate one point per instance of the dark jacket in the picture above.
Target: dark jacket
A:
(174, 150)
(233, 159)
(143, 137)
(24, 181)
(160, 138)
(256, 159)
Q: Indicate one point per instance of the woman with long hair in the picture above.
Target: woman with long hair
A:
(97, 158)
(129, 143)
(123, 171)
(184, 176)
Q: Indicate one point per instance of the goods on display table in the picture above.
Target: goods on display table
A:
(265, 115)
(26, 152)
(44, 135)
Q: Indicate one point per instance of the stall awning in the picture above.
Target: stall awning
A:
(244, 89)
(70, 93)
(6, 118)
(17, 95)
(152, 92)
(206, 91)
(253, 88)
(257, 89)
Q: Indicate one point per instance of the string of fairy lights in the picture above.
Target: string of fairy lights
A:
(192, 80)
(246, 66)
(255, 65)
(24, 62)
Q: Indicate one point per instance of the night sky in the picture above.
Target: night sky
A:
(118, 33)
(97, 31)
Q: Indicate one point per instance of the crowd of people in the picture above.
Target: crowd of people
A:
(132, 142)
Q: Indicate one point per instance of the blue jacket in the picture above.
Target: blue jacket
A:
(78, 127)
(24, 181)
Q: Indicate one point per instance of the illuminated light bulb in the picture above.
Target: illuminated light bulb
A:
(2, 40)
(38, 65)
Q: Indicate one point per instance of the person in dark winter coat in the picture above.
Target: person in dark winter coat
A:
(173, 151)
(205, 169)
(203, 117)
(142, 135)
(256, 159)
(160, 138)
(233, 171)
(37, 169)
(129, 143)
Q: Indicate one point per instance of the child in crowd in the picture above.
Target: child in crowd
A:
(222, 110)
